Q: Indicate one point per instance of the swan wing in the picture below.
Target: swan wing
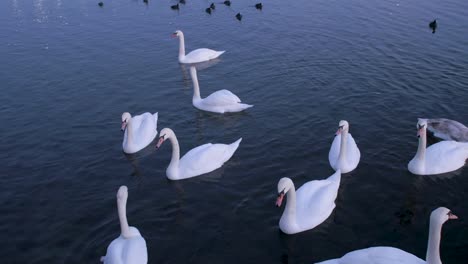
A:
(376, 255)
(447, 129)
(205, 158)
(316, 200)
(446, 156)
(353, 153)
(221, 98)
(144, 128)
(202, 54)
(135, 251)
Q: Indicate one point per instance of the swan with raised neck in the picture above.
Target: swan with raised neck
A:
(197, 161)
(308, 206)
(221, 101)
(441, 157)
(344, 153)
(388, 255)
(195, 56)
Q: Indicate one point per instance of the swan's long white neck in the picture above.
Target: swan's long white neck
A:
(181, 46)
(421, 153)
(122, 209)
(343, 146)
(129, 132)
(290, 208)
(433, 245)
(196, 87)
(174, 165)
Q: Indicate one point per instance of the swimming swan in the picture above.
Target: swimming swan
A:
(221, 101)
(441, 157)
(197, 55)
(200, 160)
(344, 153)
(139, 130)
(391, 255)
(308, 206)
(130, 246)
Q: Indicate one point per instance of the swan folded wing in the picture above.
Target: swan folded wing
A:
(203, 159)
(202, 54)
(353, 153)
(380, 255)
(144, 128)
(334, 151)
(221, 98)
(135, 251)
(446, 156)
(315, 197)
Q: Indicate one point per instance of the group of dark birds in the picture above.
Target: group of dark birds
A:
(258, 6)
(212, 7)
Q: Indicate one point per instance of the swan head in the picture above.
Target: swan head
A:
(125, 119)
(177, 34)
(342, 126)
(442, 215)
(421, 126)
(284, 185)
(164, 134)
(122, 193)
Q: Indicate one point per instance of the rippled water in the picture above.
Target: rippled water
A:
(69, 69)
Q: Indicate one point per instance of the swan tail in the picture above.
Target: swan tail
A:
(220, 53)
(232, 148)
(245, 106)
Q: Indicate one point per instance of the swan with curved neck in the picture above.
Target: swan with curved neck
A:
(139, 131)
(447, 129)
(221, 101)
(391, 255)
(200, 160)
(441, 157)
(308, 206)
(196, 56)
(130, 246)
(344, 153)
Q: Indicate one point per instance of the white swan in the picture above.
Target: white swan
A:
(197, 55)
(130, 246)
(221, 101)
(310, 205)
(447, 129)
(441, 157)
(344, 153)
(200, 160)
(140, 131)
(391, 255)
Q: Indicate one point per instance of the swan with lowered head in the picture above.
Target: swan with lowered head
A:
(200, 160)
(344, 153)
(140, 131)
(130, 246)
(221, 101)
(441, 157)
(197, 55)
(308, 206)
(391, 255)
(447, 129)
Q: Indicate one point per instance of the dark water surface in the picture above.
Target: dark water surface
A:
(69, 69)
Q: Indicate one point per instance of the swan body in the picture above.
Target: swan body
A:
(140, 131)
(391, 255)
(308, 206)
(447, 129)
(196, 56)
(221, 101)
(441, 157)
(344, 153)
(130, 246)
(200, 160)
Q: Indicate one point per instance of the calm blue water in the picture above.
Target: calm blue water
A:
(69, 69)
